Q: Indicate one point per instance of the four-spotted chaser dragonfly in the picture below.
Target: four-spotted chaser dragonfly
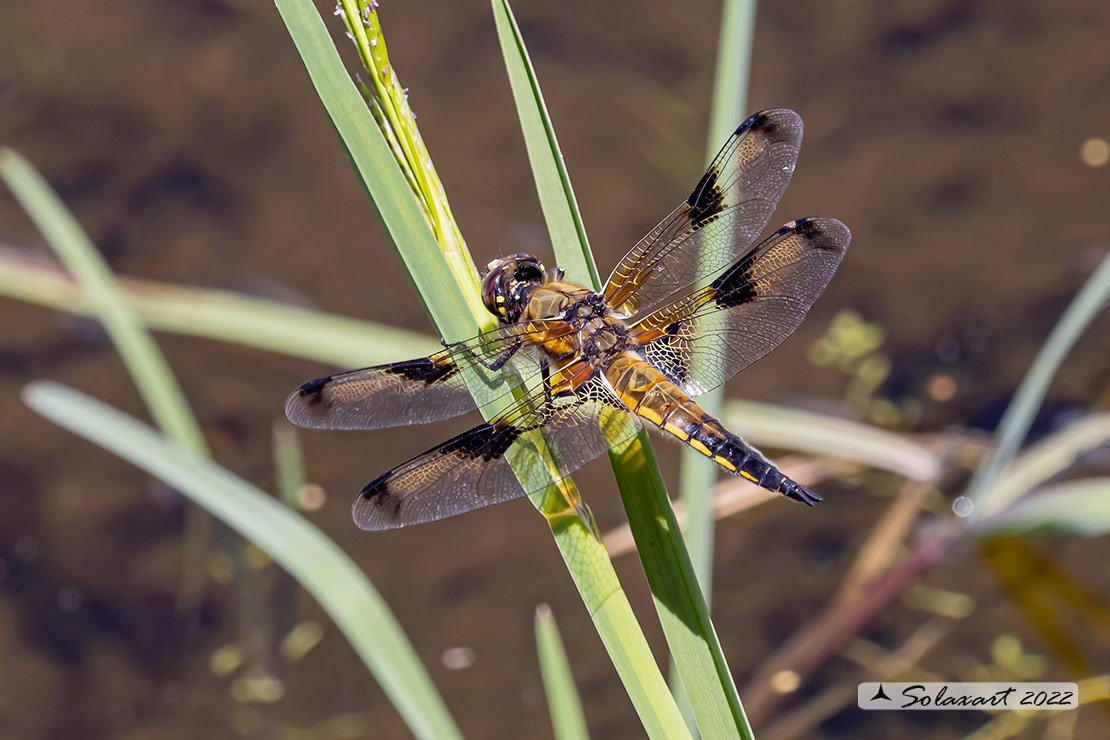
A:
(593, 366)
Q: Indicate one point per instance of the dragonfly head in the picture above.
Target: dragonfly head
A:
(509, 283)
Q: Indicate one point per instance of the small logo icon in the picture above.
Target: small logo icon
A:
(880, 694)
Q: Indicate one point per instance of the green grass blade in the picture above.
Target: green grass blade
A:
(830, 436)
(682, 610)
(374, 162)
(695, 488)
(1090, 300)
(314, 560)
(560, 209)
(607, 604)
(562, 698)
(389, 103)
(1077, 507)
(730, 93)
(220, 314)
(730, 82)
(696, 479)
(1049, 457)
(148, 368)
(289, 468)
(695, 649)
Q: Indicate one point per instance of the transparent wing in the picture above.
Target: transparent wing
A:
(575, 411)
(422, 390)
(725, 213)
(704, 339)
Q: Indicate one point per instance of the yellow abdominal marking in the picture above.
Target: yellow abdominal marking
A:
(650, 414)
(700, 448)
(725, 463)
(677, 431)
(749, 476)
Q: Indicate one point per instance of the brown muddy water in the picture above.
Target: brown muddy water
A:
(188, 140)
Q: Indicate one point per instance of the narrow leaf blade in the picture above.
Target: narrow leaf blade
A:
(562, 698)
(1079, 507)
(695, 649)
(1091, 299)
(560, 210)
(148, 368)
(220, 314)
(313, 559)
(374, 162)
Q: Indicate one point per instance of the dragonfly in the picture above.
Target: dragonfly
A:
(694, 302)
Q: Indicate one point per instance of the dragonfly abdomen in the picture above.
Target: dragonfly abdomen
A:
(712, 439)
(655, 399)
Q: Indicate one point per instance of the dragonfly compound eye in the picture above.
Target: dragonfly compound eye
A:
(494, 289)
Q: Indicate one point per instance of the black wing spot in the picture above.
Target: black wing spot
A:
(707, 181)
(735, 287)
(312, 391)
(423, 370)
(488, 442)
(709, 203)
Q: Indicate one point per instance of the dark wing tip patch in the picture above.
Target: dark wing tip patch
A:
(300, 407)
(737, 285)
(763, 123)
(823, 233)
(402, 496)
(374, 489)
(375, 508)
(777, 124)
(311, 391)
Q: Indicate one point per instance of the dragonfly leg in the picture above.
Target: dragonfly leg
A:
(496, 363)
(545, 372)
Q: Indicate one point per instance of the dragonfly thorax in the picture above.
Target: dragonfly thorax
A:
(603, 340)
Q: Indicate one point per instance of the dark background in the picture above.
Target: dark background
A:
(188, 141)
